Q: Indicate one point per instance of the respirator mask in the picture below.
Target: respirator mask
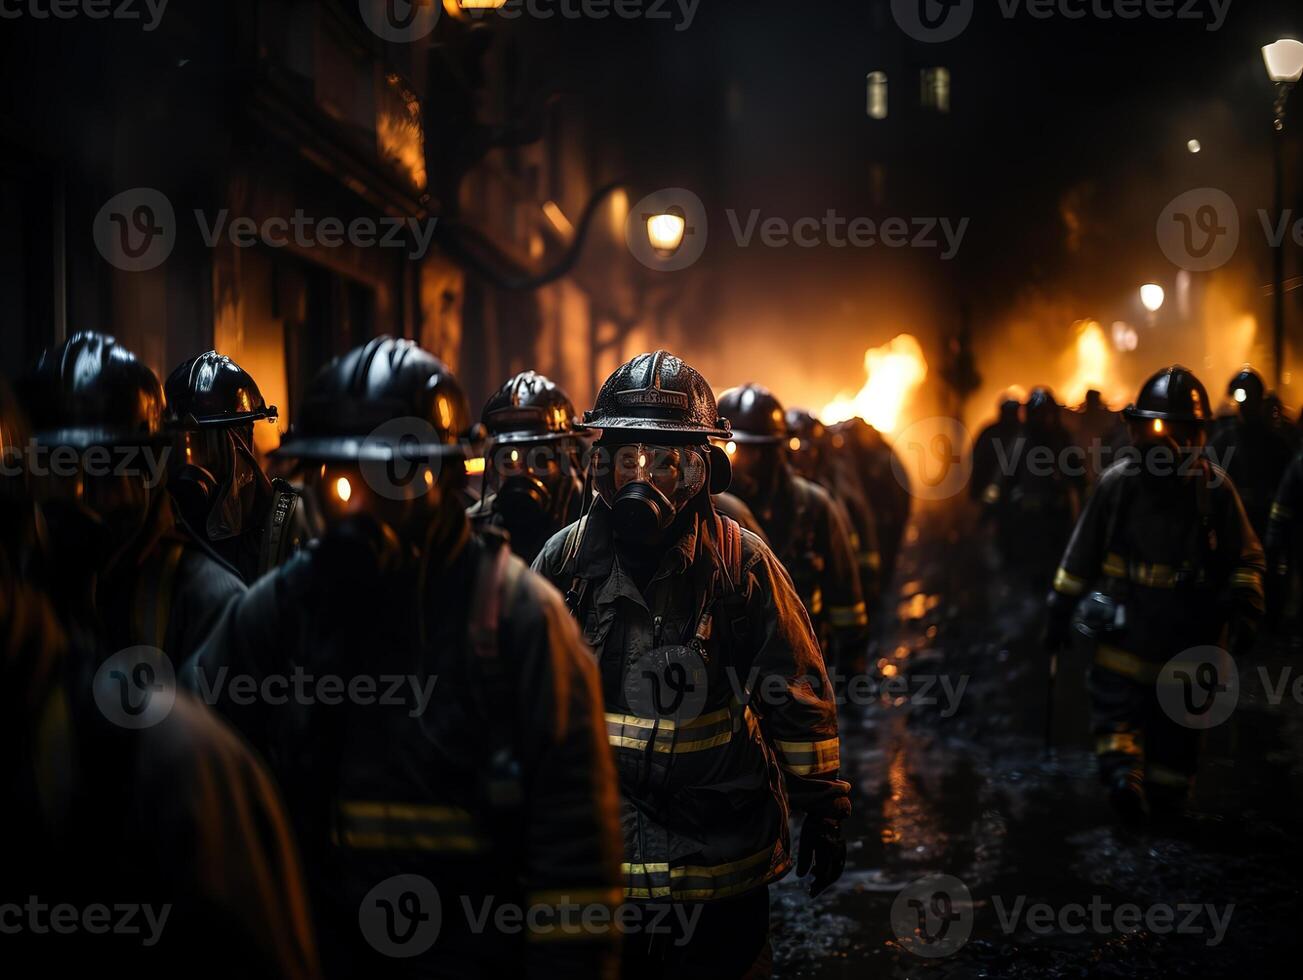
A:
(529, 481)
(213, 487)
(647, 486)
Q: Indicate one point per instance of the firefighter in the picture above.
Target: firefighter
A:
(177, 816)
(492, 786)
(533, 483)
(886, 485)
(123, 568)
(993, 445)
(1038, 496)
(1163, 561)
(1098, 432)
(718, 705)
(735, 507)
(811, 455)
(1251, 448)
(806, 528)
(220, 491)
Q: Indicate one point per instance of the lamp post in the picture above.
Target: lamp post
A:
(1284, 61)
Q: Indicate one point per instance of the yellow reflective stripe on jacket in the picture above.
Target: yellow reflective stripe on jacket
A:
(816, 602)
(1068, 584)
(702, 882)
(1247, 578)
(1126, 743)
(845, 616)
(1127, 664)
(706, 732)
(1115, 566)
(810, 758)
(552, 918)
(1279, 512)
(376, 825)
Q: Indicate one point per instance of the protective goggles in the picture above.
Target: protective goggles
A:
(678, 472)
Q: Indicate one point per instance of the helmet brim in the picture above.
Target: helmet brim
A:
(655, 429)
(1133, 414)
(94, 437)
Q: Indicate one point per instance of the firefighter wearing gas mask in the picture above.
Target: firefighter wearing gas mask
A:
(718, 706)
(807, 529)
(122, 568)
(812, 456)
(1251, 448)
(533, 478)
(493, 784)
(220, 491)
(1162, 563)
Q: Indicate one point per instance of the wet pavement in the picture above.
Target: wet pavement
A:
(950, 776)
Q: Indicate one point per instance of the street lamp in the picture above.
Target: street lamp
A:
(1153, 296)
(1284, 61)
(666, 230)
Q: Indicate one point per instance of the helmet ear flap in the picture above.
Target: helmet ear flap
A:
(721, 470)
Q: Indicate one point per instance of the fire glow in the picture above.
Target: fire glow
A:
(893, 372)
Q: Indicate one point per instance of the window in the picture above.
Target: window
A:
(877, 91)
(935, 89)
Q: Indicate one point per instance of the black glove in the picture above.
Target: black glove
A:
(823, 848)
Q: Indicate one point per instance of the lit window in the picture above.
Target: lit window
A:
(935, 92)
(877, 106)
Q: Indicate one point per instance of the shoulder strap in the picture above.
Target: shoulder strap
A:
(730, 546)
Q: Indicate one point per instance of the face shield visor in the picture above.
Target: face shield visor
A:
(216, 483)
(646, 485)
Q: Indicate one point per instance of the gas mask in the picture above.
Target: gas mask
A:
(647, 486)
(217, 483)
(532, 482)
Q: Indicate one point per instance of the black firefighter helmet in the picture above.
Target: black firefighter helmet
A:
(385, 401)
(1247, 390)
(804, 426)
(530, 408)
(1174, 394)
(757, 416)
(211, 390)
(90, 391)
(657, 396)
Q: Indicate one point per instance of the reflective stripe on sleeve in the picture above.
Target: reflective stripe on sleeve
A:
(388, 826)
(703, 882)
(810, 758)
(847, 616)
(1068, 584)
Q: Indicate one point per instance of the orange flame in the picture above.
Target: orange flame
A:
(893, 371)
